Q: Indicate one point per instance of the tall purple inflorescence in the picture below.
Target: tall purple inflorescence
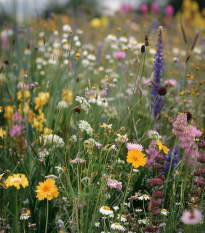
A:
(158, 71)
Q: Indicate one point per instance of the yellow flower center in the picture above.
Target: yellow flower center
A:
(145, 195)
(117, 224)
(16, 180)
(163, 210)
(123, 215)
(106, 208)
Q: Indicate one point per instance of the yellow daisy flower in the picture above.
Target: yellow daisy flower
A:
(16, 180)
(47, 189)
(136, 157)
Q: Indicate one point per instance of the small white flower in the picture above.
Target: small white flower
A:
(143, 221)
(107, 127)
(51, 176)
(116, 208)
(144, 197)
(53, 139)
(97, 224)
(24, 216)
(84, 125)
(138, 210)
(66, 28)
(83, 103)
(111, 215)
(62, 104)
(121, 138)
(73, 138)
(135, 170)
(105, 210)
(60, 170)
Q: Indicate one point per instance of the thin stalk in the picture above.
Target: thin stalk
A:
(46, 218)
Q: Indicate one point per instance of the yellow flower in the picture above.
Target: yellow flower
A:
(2, 133)
(95, 23)
(165, 149)
(41, 100)
(136, 157)
(47, 189)
(159, 144)
(68, 96)
(21, 94)
(47, 131)
(161, 147)
(16, 180)
(8, 112)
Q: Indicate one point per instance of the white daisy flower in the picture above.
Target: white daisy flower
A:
(105, 210)
(117, 226)
(144, 197)
(164, 212)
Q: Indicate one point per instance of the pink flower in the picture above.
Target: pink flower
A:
(133, 146)
(98, 145)
(155, 7)
(182, 130)
(126, 7)
(152, 152)
(144, 8)
(191, 217)
(114, 184)
(147, 82)
(197, 133)
(170, 82)
(119, 55)
(169, 10)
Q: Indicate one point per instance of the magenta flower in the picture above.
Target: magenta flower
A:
(133, 146)
(191, 217)
(169, 10)
(155, 7)
(144, 8)
(119, 55)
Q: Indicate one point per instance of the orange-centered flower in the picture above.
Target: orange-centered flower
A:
(136, 157)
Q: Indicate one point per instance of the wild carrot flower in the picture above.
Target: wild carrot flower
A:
(137, 158)
(47, 190)
(16, 180)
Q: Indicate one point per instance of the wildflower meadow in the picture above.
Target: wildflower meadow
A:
(102, 121)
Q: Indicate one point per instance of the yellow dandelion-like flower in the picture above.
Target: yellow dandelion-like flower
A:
(47, 189)
(16, 180)
(136, 157)
(2, 133)
(161, 147)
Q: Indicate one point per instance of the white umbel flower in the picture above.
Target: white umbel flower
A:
(116, 208)
(73, 138)
(117, 226)
(53, 139)
(83, 103)
(62, 104)
(105, 210)
(84, 125)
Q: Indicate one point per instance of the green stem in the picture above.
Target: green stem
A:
(126, 190)
(46, 218)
